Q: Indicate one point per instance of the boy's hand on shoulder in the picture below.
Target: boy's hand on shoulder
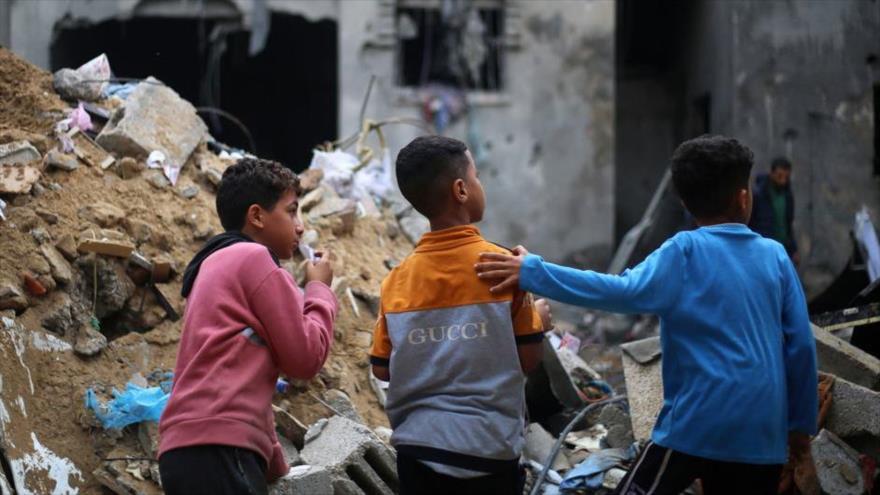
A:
(320, 270)
(501, 268)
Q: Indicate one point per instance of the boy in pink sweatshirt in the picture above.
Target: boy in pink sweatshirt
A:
(246, 320)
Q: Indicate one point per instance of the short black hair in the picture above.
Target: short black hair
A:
(780, 162)
(426, 166)
(252, 181)
(708, 171)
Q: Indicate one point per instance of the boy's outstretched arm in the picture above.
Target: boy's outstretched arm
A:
(650, 287)
(800, 356)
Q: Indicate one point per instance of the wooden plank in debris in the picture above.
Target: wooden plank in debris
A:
(110, 248)
(89, 151)
(849, 317)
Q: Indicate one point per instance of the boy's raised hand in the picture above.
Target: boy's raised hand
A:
(503, 268)
(320, 270)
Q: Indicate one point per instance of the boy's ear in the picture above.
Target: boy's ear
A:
(255, 216)
(459, 190)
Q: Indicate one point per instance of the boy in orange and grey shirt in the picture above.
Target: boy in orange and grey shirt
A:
(454, 352)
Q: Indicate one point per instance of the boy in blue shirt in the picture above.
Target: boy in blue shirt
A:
(739, 360)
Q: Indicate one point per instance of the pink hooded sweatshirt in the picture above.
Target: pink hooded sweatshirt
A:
(246, 320)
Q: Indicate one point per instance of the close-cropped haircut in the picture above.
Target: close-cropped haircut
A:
(425, 169)
(708, 171)
(252, 181)
(780, 162)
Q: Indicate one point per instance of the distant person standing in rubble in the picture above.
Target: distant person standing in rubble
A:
(773, 211)
(739, 360)
(246, 321)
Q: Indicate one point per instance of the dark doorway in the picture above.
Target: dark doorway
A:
(286, 95)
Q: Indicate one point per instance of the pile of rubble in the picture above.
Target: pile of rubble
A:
(105, 195)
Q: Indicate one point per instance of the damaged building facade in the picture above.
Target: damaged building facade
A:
(571, 109)
(538, 86)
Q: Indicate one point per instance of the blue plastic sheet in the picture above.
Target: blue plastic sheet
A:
(590, 473)
(120, 90)
(133, 405)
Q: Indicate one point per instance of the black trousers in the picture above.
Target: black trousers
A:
(213, 470)
(662, 471)
(418, 479)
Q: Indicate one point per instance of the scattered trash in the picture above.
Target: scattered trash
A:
(157, 159)
(120, 90)
(590, 474)
(133, 405)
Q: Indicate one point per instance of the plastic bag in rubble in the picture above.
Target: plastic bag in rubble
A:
(134, 405)
(338, 167)
(376, 177)
(157, 159)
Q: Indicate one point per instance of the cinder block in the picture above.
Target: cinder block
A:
(855, 410)
(349, 450)
(313, 480)
(154, 117)
(644, 384)
(837, 465)
(842, 359)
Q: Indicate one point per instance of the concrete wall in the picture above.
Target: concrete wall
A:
(790, 78)
(805, 92)
(546, 141)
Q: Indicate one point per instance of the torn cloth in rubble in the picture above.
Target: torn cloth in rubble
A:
(590, 473)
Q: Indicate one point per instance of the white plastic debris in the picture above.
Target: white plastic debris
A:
(2, 210)
(157, 159)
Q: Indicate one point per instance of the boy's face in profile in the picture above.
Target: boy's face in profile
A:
(282, 226)
(476, 200)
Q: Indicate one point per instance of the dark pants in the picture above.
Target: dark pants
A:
(213, 470)
(662, 471)
(418, 479)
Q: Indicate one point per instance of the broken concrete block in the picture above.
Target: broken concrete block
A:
(18, 178)
(290, 427)
(61, 161)
(103, 214)
(855, 411)
(539, 444)
(341, 402)
(313, 480)
(129, 168)
(414, 226)
(61, 271)
(644, 384)
(89, 341)
(67, 247)
(837, 465)
(154, 118)
(114, 285)
(40, 235)
(157, 179)
(74, 85)
(21, 152)
(291, 453)
(351, 451)
(842, 359)
(12, 297)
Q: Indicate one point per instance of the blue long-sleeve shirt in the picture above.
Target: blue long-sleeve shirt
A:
(739, 359)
